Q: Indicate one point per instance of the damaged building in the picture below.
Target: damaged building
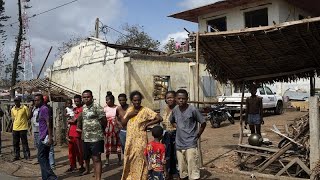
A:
(99, 66)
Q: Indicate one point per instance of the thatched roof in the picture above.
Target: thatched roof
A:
(311, 6)
(56, 90)
(284, 52)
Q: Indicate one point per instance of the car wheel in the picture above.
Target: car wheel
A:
(279, 108)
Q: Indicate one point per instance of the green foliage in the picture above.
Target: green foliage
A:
(137, 37)
(66, 46)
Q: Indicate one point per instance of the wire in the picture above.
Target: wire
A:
(43, 12)
(106, 26)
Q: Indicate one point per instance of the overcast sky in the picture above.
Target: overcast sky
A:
(77, 19)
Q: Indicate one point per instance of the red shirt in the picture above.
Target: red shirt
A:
(155, 153)
(73, 127)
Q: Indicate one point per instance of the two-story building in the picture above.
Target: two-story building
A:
(231, 15)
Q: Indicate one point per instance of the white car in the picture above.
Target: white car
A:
(271, 101)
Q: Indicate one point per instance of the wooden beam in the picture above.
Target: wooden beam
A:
(241, 113)
(284, 136)
(275, 156)
(274, 75)
(314, 131)
(198, 96)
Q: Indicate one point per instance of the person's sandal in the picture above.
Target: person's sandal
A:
(82, 169)
(69, 170)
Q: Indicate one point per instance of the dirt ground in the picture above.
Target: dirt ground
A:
(219, 159)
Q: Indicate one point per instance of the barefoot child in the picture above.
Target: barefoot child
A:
(155, 155)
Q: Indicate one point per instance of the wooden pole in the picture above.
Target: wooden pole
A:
(314, 131)
(198, 68)
(241, 113)
(198, 96)
(97, 28)
(45, 61)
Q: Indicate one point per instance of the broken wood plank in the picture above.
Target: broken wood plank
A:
(285, 168)
(275, 156)
(280, 134)
(253, 153)
(258, 148)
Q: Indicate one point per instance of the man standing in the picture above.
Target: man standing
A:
(93, 121)
(52, 161)
(45, 136)
(254, 108)
(20, 116)
(75, 142)
(185, 118)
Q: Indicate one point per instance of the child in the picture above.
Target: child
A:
(69, 114)
(254, 108)
(155, 155)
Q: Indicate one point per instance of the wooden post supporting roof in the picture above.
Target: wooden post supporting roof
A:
(198, 96)
(314, 132)
(241, 113)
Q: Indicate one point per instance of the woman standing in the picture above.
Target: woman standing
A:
(137, 120)
(112, 141)
(169, 138)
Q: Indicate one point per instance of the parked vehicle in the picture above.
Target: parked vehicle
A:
(218, 114)
(270, 100)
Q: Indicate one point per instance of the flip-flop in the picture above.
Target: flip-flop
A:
(84, 173)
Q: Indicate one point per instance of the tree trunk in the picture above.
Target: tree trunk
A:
(16, 54)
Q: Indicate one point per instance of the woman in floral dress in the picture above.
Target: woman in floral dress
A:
(137, 119)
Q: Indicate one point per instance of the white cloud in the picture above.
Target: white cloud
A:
(189, 4)
(178, 37)
(59, 25)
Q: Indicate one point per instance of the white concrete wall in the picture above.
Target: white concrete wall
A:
(235, 16)
(278, 11)
(93, 66)
(289, 12)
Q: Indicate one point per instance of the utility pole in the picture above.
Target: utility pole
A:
(97, 27)
(16, 53)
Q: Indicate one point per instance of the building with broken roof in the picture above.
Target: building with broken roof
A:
(238, 15)
(99, 66)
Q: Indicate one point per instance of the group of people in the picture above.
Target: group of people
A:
(40, 115)
(117, 129)
(122, 129)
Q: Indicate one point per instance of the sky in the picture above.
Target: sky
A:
(78, 18)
